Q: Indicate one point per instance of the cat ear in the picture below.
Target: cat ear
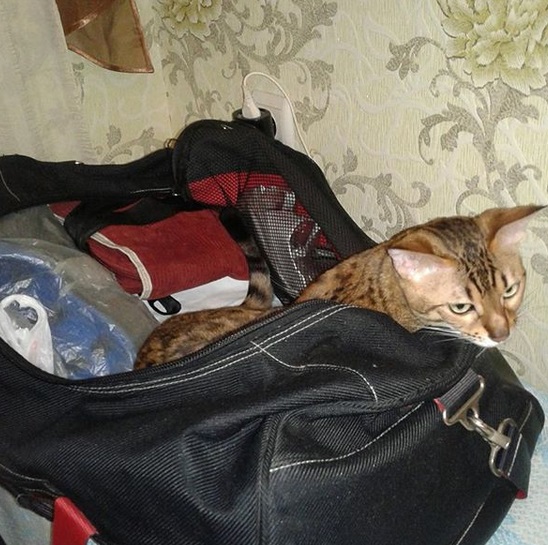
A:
(418, 266)
(506, 227)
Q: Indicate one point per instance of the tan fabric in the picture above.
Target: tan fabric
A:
(107, 32)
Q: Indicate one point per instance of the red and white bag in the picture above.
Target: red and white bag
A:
(185, 257)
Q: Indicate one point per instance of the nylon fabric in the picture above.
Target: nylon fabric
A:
(315, 425)
(297, 221)
(257, 428)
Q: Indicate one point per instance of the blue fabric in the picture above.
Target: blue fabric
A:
(85, 342)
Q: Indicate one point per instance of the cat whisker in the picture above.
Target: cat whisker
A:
(525, 302)
(531, 303)
(441, 329)
(440, 340)
(482, 351)
(442, 334)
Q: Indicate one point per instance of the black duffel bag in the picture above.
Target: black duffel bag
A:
(321, 424)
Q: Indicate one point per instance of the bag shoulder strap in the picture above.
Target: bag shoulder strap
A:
(510, 455)
(26, 182)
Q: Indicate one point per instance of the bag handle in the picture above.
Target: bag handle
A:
(88, 217)
(29, 335)
(510, 457)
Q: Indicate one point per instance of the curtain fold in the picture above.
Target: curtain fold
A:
(40, 116)
(40, 109)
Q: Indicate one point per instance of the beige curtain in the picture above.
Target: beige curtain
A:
(40, 116)
(40, 110)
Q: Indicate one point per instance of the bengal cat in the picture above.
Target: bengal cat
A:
(462, 276)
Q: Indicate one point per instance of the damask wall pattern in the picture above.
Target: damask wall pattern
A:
(126, 114)
(412, 109)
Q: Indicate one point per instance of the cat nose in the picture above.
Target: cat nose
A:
(500, 337)
(499, 333)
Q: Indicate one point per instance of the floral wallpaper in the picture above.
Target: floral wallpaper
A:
(205, 44)
(412, 109)
(499, 41)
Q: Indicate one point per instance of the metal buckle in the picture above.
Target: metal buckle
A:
(495, 450)
(468, 416)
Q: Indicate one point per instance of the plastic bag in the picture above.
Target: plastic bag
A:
(96, 327)
(24, 326)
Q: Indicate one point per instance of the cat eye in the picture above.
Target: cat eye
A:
(461, 308)
(511, 291)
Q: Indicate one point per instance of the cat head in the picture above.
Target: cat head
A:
(464, 275)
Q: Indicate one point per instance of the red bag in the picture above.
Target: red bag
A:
(183, 251)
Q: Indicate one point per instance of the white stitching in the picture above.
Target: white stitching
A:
(516, 450)
(7, 187)
(349, 454)
(198, 374)
(529, 411)
(26, 477)
(169, 380)
(319, 365)
(467, 529)
(285, 334)
(515, 455)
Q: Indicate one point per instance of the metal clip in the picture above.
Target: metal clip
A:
(468, 416)
(471, 404)
(495, 450)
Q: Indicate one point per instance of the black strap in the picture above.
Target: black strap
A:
(166, 306)
(26, 182)
(514, 462)
(89, 217)
(510, 456)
